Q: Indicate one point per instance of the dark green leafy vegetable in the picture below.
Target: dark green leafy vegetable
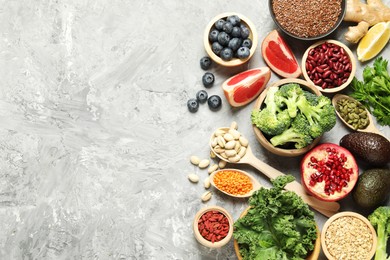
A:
(279, 225)
(374, 90)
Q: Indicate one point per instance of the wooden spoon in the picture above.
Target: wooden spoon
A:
(255, 184)
(326, 208)
(371, 128)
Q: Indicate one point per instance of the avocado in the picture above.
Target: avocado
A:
(370, 147)
(372, 188)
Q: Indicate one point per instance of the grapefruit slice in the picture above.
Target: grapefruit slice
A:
(244, 87)
(279, 57)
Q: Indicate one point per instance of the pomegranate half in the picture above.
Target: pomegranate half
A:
(279, 57)
(329, 172)
(244, 87)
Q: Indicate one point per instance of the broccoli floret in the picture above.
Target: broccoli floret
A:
(298, 133)
(271, 120)
(312, 98)
(321, 117)
(380, 219)
(288, 95)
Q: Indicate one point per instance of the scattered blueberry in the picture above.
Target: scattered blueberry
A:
(205, 63)
(192, 105)
(226, 54)
(234, 44)
(218, 24)
(208, 79)
(236, 32)
(247, 43)
(244, 31)
(201, 96)
(216, 47)
(227, 27)
(213, 36)
(243, 52)
(214, 102)
(223, 38)
(234, 20)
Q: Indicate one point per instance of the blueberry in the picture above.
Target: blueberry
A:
(216, 47)
(208, 79)
(213, 35)
(247, 43)
(244, 31)
(192, 105)
(218, 24)
(226, 54)
(236, 32)
(243, 52)
(227, 27)
(201, 96)
(214, 102)
(234, 44)
(205, 63)
(223, 38)
(234, 20)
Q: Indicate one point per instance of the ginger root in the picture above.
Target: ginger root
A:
(366, 15)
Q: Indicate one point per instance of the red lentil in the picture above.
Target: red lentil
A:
(307, 18)
(213, 226)
(233, 182)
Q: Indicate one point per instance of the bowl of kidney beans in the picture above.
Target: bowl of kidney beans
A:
(330, 65)
(213, 226)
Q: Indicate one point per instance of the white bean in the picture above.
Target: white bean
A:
(193, 177)
(195, 160)
(204, 163)
(206, 196)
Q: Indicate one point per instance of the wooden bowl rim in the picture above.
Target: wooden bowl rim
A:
(313, 256)
(260, 136)
(235, 61)
(347, 214)
(202, 240)
(351, 57)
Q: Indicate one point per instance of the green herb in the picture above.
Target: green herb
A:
(279, 225)
(374, 90)
(380, 219)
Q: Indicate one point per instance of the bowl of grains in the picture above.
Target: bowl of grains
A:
(329, 65)
(348, 235)
(307, 19)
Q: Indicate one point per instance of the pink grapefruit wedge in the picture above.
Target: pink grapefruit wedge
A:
(279, 57)
(244, 87)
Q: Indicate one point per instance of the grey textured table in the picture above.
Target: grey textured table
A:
(95, 133)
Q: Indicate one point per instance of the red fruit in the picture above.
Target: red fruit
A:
(329, 172)
(244, 87)
(279, 57)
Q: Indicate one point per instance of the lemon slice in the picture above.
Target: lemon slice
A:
(374, 41)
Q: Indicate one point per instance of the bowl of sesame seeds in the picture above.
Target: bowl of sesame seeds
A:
(307, 19)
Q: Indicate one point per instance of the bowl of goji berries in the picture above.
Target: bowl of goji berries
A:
(213, 226)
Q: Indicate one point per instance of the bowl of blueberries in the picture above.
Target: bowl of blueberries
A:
(230, 39)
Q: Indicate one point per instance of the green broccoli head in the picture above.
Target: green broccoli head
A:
(288, 95)
(269, 122)
(380, 219)
(298, 134)
(321, 117)
(271, 119)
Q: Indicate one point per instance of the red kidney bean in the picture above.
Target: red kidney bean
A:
(328, 63)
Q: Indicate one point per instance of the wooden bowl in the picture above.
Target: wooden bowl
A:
(351, 57)
(206, 242)
(324, 234)
(262, 138)
(313, 256)
(235, 61)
